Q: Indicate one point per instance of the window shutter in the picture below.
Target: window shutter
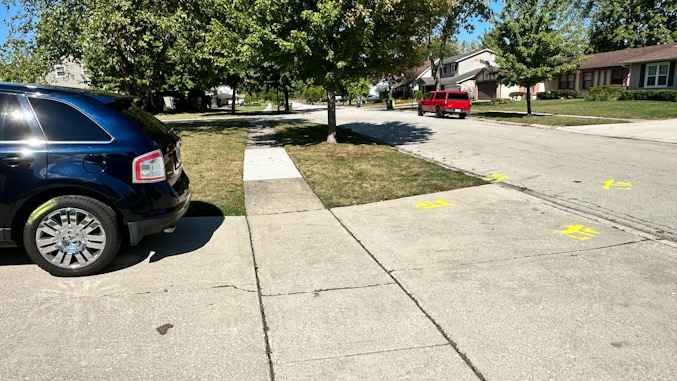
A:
(642, 72)
(671, 74)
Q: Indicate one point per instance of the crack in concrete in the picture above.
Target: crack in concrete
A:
(366, 353)
(441, 330)
(269, 352)
(233, 287)
(570, 252)
(318, 291)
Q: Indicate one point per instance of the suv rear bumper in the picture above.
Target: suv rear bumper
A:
(140, 229)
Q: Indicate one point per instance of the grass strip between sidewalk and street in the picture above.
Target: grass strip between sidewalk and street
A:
(605, 109)
(358, 170)
(546, 120)
(224, 112)
(212, 154)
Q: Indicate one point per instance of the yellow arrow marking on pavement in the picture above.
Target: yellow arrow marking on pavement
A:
(579, 232)
(619, 185)
(495, 178)
(433, 205)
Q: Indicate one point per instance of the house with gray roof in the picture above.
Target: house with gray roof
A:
(650, 67)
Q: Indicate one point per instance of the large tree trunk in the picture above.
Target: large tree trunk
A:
(232, 106)
(286, 98)
(528, 100)
(440, 63)
(331, 112)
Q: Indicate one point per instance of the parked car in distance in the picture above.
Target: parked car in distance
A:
(80, 172)
(445, 102)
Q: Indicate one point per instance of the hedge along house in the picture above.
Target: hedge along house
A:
(620, 67)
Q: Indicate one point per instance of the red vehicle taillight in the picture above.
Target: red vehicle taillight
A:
(149, 168)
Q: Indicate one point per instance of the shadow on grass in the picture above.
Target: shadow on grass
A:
(203, 209)
(305, 134)
(395, 133)
(209, 126)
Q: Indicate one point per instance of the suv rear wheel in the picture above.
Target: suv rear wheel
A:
(438, 112)
(420, 111)
(72, 236)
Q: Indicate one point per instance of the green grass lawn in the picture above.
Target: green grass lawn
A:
(358, 170)
(609, 109)
(213, 154)
(546, 120)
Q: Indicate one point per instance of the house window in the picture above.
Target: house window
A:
(567, 81)
(453, 68)
(617, 77)
(444, 69)
(60, 71)
(657, 75)
(587, 80)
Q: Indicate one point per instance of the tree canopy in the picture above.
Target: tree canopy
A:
(621, 24)
(534, 40)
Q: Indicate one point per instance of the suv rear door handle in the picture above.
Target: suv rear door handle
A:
(16, 160)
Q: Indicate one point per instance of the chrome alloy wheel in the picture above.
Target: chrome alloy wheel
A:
(70, 238)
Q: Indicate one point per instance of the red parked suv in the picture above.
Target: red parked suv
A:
(445, 102)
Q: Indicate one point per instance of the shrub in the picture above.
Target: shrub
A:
(558, 94)
(652, 95)
(516, 94)
(418, 95)
(605, 93)
(500, 101)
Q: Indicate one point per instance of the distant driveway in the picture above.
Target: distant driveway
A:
(629, 181)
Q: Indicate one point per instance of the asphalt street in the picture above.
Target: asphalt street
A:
(630, 180)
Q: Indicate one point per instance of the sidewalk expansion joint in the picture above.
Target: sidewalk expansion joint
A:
(573, 253)
(451, 342)
(263, 312)
(317, 292)
(367, 353)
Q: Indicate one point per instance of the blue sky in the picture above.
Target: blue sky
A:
(480, 26)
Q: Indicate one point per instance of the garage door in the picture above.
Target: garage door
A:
(486, 90)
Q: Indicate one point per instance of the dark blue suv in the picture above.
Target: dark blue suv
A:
(80, 172)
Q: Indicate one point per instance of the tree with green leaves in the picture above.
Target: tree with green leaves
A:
(622, 24)
(140, 47)
(455, 15)
(534, 41)
(358, 89)
(21, 62)
(331, 42)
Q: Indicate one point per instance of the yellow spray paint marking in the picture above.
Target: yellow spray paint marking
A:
(433, 205)
(617, 185)
(495, 178)
(579, 232)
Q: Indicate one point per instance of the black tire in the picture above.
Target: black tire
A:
(420, 111)
(438, 112)
(462, 115)
(82, 241)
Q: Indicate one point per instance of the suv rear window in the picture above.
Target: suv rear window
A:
(458, 96)
(63, 123)
(157, 130)
(13, 121)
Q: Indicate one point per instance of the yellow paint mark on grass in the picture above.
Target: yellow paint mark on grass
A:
(433, 204)
(579, 232)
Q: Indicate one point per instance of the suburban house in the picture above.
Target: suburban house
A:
(650, 67)
(467, 72)
(69, 73)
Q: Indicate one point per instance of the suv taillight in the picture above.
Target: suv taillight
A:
(149, 168)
